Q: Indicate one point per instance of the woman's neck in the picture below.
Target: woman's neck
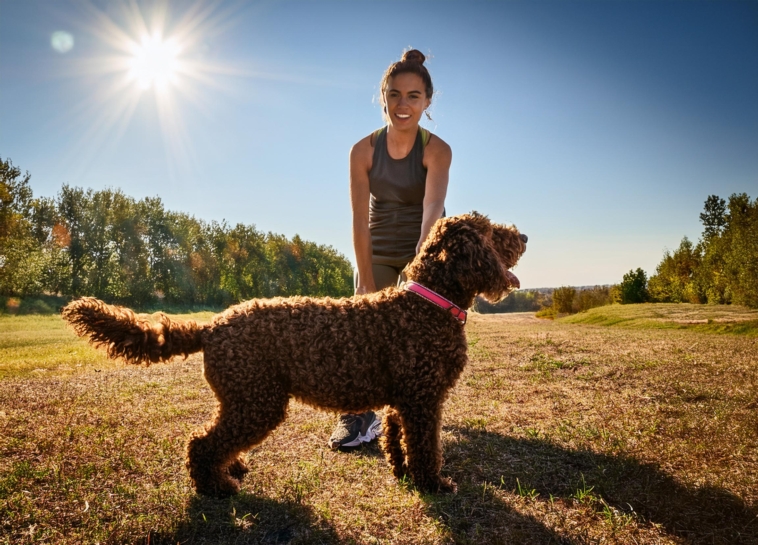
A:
(400, 142)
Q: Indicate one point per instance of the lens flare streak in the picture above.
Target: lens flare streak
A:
(146, 55)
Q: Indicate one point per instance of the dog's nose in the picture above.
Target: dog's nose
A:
(523, 238)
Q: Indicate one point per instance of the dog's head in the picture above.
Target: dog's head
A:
(468, 255)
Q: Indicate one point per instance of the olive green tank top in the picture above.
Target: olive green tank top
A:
(396, 206)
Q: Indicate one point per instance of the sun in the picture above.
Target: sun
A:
(155, 62)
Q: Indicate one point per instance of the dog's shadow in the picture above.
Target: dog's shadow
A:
(535, 467)
(253, 518)
(246, 518)
(619, 485)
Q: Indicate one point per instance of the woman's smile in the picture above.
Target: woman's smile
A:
(406, 99)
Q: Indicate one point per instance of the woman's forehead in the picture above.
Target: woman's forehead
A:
(406, 81)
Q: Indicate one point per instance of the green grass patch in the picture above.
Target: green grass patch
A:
(43, 304)
(716, 319)
(52, 304)
(44, 344)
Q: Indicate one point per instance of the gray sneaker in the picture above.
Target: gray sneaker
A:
(354, 429)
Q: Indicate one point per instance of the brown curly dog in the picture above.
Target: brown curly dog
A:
(392, 348)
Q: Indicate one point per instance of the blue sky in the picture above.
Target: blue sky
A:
(598, 128)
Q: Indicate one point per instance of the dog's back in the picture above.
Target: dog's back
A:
(340, 354)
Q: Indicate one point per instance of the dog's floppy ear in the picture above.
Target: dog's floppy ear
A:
(494, 276)
(477, 261)
(460, 254)
(508, 243)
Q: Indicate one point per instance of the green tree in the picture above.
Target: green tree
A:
(673, 281)
(563, 299)
(587, 298)
(713, 217)
(634, 287)
(243, 261)
(21, 259)
(741, 255)
(16, 200)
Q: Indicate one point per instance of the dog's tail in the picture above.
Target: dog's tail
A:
(125, 335)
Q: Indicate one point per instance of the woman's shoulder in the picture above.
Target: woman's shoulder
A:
(434, 141)
(362, 152)
(437, 148)
(365, 146)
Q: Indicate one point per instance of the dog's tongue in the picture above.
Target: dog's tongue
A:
(512, 280)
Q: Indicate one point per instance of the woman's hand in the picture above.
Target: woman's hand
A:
(365, 289)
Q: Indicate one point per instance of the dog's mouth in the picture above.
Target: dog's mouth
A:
(512, 280)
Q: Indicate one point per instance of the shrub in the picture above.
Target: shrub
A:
(563, 299)
(634, 287)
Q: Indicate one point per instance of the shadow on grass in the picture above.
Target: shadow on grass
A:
(246, 518)
(474, 515)
(476, 518)
(697, 514)
(250, 518)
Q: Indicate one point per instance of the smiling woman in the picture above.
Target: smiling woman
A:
(155, 62)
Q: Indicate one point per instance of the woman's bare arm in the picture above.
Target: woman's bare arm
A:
(360, 163)
(437, 159)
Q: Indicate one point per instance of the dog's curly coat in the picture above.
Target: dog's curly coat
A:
(388, 348)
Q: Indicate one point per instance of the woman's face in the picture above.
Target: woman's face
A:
(405, 99)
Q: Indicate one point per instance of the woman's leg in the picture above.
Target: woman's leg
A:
(385, 275)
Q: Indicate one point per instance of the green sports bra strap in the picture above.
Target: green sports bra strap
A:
(375, 135)
(425, 136)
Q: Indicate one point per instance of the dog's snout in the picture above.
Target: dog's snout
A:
(524, 238)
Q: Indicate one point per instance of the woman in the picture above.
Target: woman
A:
(398, 183)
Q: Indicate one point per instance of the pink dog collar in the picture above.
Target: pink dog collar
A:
(437, 299)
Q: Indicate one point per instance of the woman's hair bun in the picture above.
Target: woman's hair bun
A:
(413, 55)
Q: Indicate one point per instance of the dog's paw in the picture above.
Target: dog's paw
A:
(216, 485)
(447, 486)
(220, 490)
(437, 485)
(238, 469)
(400, 471)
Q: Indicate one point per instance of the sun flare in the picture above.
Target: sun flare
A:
(155, 62)
(150, 62)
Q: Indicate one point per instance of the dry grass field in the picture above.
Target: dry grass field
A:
(631, 425)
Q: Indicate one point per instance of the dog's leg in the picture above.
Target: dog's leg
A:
(422, 423)
(391, 441)
(238, 468)
(214, 456)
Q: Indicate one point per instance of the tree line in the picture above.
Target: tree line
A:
(722, 268)
(548, 302)
(135, 252)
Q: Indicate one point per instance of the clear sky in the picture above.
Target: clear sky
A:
(598, 128)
